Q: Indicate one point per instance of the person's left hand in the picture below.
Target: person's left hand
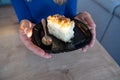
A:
(86, 18)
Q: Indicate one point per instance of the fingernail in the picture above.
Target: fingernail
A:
(48, 56)
(84, 50)
(93, 25)
(91, 45)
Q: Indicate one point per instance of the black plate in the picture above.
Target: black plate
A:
(82, 37)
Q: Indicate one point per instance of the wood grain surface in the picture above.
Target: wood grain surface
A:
(18, 63)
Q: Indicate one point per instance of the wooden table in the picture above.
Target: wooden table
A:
(18, 63)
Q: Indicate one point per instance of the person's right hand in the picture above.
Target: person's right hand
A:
(25, 32)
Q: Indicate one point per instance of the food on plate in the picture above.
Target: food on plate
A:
(61, 27)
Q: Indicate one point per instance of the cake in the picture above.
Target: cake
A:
(61, 27)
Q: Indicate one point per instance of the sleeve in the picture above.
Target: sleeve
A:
(21, 10)
(70, 10)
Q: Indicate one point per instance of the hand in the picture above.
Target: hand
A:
(25, 32)
(87, 19)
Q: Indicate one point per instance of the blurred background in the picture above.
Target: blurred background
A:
(5, 2)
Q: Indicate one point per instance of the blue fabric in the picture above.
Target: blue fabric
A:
(117, 12)
(109, 5)
(4, 2)
(34, 10)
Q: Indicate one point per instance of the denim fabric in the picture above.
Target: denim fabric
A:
(117, 12)
(109, 5)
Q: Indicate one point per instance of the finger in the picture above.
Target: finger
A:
(92, 43)
(87, 17)
(23, 36)
(93, 37)
(28, 43)
(84, 49)
(38, 51)
(28, 32)
(83, 20)
(26, 26)
(92, 27)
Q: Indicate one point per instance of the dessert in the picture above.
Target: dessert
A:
(61, 27)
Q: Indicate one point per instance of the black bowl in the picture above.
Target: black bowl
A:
(82, 37)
